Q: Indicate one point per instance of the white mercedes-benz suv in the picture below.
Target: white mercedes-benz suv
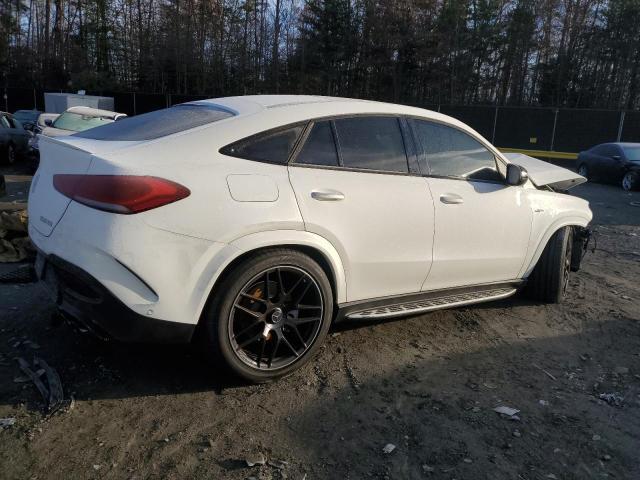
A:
(253, 223)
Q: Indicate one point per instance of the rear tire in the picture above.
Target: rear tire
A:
(261, 322)
(630, 181)
(549, 280)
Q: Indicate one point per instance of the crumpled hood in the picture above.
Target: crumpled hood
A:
(56, 132)
(544, 173)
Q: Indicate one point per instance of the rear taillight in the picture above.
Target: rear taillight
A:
(125, 194)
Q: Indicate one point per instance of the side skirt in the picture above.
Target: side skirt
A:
(389, 307)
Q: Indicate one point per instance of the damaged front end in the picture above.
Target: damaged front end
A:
(581, 238)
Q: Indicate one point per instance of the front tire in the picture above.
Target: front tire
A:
(550, 278)
(630, 181)
(269, 316)
(11, 154)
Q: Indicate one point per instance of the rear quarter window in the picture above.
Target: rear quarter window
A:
(159, 123)
(271, 146)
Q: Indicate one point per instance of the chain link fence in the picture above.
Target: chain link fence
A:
(551, 132)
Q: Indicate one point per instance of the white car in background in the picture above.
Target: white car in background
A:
(253, 223)
(73, 120)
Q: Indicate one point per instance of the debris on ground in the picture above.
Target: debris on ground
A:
(388, 448)
(26, 378)
(279, 464)
(22, 274)
(552, 377)
(15, 221)
(612, 399)
(508, 411)
(255, 459)
(51, 392)
(15, 245)
(7, 422)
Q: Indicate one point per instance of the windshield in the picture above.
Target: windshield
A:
(632, 153)
(78, 123)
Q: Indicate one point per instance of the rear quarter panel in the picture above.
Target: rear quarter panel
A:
(210, 212)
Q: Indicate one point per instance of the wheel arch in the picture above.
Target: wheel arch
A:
(573, 221)
(315, 246)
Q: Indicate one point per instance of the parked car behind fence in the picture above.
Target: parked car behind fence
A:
(617, 162)
(14, 139)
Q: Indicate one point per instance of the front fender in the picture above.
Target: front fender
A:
(552, 211)
(578, 221)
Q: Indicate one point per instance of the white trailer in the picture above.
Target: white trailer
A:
(59, 102)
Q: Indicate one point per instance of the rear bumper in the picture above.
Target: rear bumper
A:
(84, 300)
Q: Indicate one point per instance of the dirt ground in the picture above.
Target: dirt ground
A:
(426, 384)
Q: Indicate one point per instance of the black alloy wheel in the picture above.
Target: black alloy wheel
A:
(268, 316)
(275, 318)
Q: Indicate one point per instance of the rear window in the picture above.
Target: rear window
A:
(158, 124)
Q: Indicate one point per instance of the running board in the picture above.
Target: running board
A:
(432, 303)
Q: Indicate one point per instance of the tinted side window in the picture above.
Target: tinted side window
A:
(373, 143)
(452, 153)
(320, 148)
(273, 146)
(611, 151)
(605, 150)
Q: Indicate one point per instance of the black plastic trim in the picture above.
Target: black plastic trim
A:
(83, 299)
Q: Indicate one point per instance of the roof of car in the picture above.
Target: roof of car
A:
(93, 112)
(291, 108)
(275, 101)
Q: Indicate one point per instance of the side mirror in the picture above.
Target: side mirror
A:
(48, 122)
(516, 175)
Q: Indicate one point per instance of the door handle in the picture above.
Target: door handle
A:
(451, 198)
(327, 195)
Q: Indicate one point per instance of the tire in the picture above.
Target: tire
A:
(11, 154)
(257, 327)
(549, 280)
(630, 181)
(583, 170)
